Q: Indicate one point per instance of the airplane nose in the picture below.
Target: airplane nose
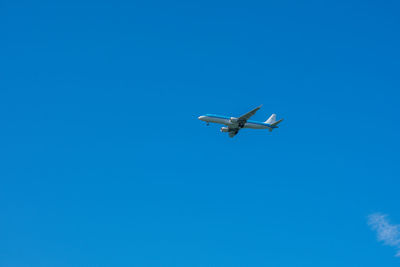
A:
(201, 117)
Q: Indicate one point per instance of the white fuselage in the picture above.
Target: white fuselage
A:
(229, 122)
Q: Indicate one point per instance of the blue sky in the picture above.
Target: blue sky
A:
(104, 163)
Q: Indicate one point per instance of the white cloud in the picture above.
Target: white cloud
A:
(386, 232)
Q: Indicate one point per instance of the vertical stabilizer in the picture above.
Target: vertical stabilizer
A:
(271, 119)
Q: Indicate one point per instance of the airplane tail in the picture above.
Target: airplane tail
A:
(271, 119)
(273, 122)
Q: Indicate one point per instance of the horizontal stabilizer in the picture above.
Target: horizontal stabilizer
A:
(276, 123)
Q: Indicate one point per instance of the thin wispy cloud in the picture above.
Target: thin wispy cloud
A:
(386, 232)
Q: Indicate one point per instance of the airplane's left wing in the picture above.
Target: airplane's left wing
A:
(243, 119)
(233, 132)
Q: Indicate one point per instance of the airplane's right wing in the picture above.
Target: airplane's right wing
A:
(243, 119)
(247, 116)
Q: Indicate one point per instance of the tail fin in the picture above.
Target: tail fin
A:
(273, 122)
(271, 119)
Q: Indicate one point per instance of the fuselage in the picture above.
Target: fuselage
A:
(229, 122)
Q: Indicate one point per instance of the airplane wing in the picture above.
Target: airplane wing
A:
(233, 132)
(243, 119)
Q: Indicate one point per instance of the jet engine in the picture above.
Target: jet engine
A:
(224, 129)
(233, 120)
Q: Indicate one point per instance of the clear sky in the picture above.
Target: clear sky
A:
(103, 161)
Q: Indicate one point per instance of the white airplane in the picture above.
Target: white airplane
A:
(235, 124)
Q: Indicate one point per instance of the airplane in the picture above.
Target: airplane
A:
(235, 124)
